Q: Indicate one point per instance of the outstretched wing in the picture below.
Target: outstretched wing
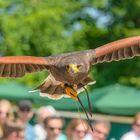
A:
(18, 66)
(117, 50)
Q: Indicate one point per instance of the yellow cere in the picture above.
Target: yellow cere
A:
(74, 68)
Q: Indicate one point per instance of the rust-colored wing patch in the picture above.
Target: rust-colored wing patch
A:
(117, 50)
(18, 66)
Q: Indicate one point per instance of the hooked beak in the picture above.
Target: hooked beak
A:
(73, 68)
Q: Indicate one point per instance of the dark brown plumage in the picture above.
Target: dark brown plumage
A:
(68, 72)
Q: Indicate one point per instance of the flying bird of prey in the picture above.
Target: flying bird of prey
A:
(68, 73)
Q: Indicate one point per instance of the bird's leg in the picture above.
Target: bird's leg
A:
(81, 85)
(85, 113)
(89, 103)
(71, 92)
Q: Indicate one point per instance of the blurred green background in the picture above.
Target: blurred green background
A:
(43, 28)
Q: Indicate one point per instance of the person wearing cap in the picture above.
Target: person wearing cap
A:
(42, 113)
(134, 134)
(24, 114)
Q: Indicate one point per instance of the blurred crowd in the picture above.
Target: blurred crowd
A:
(15, 125)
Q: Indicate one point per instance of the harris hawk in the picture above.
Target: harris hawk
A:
(69, 72)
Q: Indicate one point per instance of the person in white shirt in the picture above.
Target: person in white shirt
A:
(134, 134)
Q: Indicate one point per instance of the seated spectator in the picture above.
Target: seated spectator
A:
(101, 130)
(53, 127)
(42, 113)
(134, 134)
(24, 114)
(77, 130)
(5, 114)
(13, 131)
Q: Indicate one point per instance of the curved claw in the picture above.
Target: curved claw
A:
(71, 92)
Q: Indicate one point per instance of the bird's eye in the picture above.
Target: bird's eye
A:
(79, 66)
(67, 67)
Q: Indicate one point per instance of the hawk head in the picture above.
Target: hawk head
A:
(73, 68)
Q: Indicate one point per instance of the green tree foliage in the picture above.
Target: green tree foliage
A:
(123, 21)
(43, 28)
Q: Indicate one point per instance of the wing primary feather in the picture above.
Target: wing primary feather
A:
(116, 45)
(33, 68)
(29, 68)
(42, 67)
(127, 52)
(18, 70)
(100, 59)
(121, 54)
(18, 66)
(136, 50)
(6, 71)
(94, 61)
(107, 57)
(1, 69)
(36, 67)
(118, 50)
(114, 55)
(23, 69)
(13, 70)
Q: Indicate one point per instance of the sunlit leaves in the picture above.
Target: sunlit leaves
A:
(43, 28)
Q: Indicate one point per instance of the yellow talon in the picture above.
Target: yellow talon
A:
(72, 93)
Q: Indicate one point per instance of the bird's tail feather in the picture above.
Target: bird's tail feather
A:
(50, 88)
(32, 91)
